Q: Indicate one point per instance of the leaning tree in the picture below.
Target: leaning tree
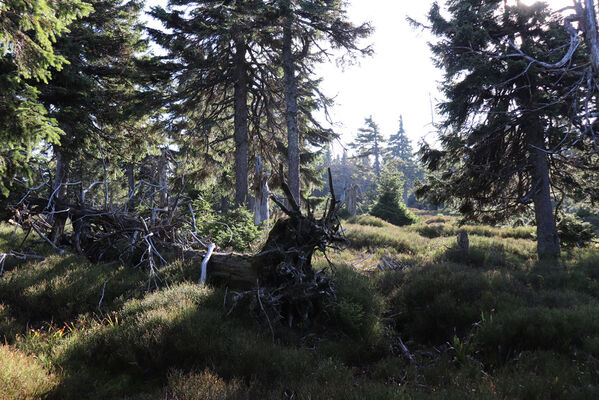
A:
(507, 142)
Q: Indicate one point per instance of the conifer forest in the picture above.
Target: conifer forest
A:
(187, 211)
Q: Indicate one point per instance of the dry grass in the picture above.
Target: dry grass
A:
(23, 377)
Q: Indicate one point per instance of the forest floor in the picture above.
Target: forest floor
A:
(442, 323)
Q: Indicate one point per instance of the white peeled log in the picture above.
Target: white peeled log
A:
(205, 263)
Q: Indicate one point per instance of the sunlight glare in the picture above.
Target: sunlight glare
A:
(554, 4)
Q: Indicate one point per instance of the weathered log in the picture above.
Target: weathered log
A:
(280, 276)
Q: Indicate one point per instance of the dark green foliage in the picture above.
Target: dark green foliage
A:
(557, 329)
(488, 166)
(389, 205)
(574, 232)
(24, 124)
(234, 228)
(357, 308)
(28, 30)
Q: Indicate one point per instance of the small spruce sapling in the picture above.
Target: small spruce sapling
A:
(389, 205)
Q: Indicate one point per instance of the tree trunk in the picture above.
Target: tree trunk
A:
(261, 192)
(591, 35)
(548, 246)
(377, 163)
(60, 179)
(241, 124)
(163, 182)
(351, 199)
(290, 83)
(130, 185)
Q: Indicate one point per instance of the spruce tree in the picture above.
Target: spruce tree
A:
(28, 31)
(389, 206)
(399, 146)
(399, 149)
(96, 98)
(305, 25)
(505, 141)
(370, 142)
(216, 60)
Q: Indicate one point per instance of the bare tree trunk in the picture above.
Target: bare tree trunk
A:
(591, 36)
(163, 183)
(351, 198)
(261, 211)
(547, 239)
(290, 83)
(241, 124)
(377, 163)
(60, 179)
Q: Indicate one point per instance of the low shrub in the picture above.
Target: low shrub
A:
(62, 287)
(358, 308)
(180, 327)
(205, 385)
(562, 330)
(365, 236)
(8, 324)
(574, 232)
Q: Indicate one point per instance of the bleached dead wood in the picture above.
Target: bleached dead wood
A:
(205, 263)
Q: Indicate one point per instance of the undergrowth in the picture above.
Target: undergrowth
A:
(490, 323)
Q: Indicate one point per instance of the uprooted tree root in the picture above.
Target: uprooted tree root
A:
(278, 282)
(288, 288)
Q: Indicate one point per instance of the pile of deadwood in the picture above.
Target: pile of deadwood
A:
(278, 281)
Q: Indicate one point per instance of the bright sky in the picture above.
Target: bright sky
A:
(399, 79)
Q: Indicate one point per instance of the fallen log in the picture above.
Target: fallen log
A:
(280, 277)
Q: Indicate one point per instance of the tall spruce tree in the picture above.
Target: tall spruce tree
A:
(506, 139)
(95, 99)
(399, 146)
(399, 149)
(306, 24)
(370, 142)
(216, 54)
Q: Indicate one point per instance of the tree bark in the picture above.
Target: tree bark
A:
(163, 180)
(548, 246)
(261, 192)
(591, 35)
(61, 177)
(241, 123)
(377, 163)
(290, 83)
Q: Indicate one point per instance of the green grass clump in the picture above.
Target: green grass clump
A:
(368, 220)
(23, 377)
(179, 327)
(493, 322)
(433, 229)
(205, 385)
(369, 236)
(357, 313)
(9, 327)
(62, 287)
(539, 328)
